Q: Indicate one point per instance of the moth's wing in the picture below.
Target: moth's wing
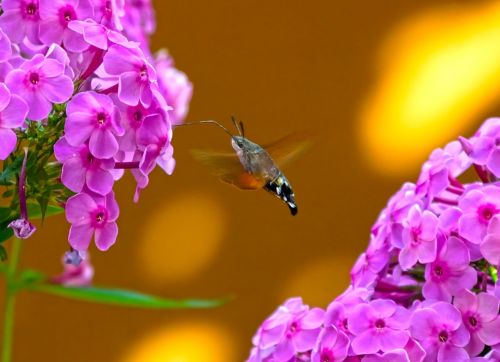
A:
(227, 167)
(290, 147)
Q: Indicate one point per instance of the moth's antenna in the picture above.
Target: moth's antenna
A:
(242, 129)
(237, 126)
(208, 121)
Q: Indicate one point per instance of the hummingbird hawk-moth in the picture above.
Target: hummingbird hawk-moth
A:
(255, 167)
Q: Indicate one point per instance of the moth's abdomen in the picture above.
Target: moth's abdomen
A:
(282, 189)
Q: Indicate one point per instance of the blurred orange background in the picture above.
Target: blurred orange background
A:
(381, 82)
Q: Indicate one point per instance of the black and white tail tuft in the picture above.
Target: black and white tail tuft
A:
(282, 189)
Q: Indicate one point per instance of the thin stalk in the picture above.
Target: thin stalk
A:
(10, 293)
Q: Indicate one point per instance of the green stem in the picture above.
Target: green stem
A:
(10, 293)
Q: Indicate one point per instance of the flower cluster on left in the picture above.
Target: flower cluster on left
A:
(82, 99)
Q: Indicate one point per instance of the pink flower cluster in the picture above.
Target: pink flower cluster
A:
(426, 289)
(90, 61)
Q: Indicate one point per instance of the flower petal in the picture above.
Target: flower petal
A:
(105, 237)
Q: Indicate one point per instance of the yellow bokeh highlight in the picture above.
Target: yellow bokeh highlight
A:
(437, 74)
(319, 281)
(184, 342)
(182, 238)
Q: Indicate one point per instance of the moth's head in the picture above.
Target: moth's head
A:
(239, 143)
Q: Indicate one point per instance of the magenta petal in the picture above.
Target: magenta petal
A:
(15, 113)
(305, 340)
(284, 351)
(80, 236)
(100, 181)
(490, 248)
(482, 149)
(435, 291)
(103, 143)
(63, 150)
(50, 31)
(427, 251)
(470, 201)
(393, 339)
(494, 162)
(456, 254)
(8, 142)
(105, 237)
(114, 61)
(272, 336)
(79, 207)
(489, 334)
(58, 90)
(360, 318)
(488, 305)
(475, 346)
(470, 228)
(365, 343)
(384, 308)
(73, 174)
(51, 68)
(466, 301)
(4, 96)
(460, 336)
(423, 322)
(96, 36)
(451, 353)
(407, 257)
(112, 207)
(129, 89)
(466, 279)
(74, 42)
(78, 128)
(10, 24)
(39, 107)
(313, 319)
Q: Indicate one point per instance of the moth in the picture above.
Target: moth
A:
(255, 167)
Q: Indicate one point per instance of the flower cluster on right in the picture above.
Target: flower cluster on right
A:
(426, 289)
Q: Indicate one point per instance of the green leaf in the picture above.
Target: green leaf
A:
(4, 213)
(8, 193)
(7, 177)
(123, 297)
(35, 212)
(3, 253)
(5, 232)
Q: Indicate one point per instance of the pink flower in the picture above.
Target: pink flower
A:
(490, 247)
(20, 19)
(419, 238)
(92, 216)
(75, 274)
(132, 118)
(174, 86)
(450, 272)
(292, 329)
(81, 169)
(440, 330)
(40, 82)
(136, 77)
(378, 326)
(93, 117)
(13, 111)
(332, 346)
(56, 15)
(480, 316)
(479, 206)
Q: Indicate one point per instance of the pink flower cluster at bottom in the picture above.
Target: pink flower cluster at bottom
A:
(426, 289)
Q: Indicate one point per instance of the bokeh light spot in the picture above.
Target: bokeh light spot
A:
(184, 342)
(319, 281)
(438, 73)
(181, 238)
